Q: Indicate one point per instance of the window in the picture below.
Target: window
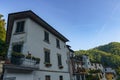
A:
(82, 76)
(78, 77)
(46, 38)
(47, 77)
(20, 26)
(57, 43)
(47, 55)
(105, 69)
(92, 64)
(61, 78)
(17, 48)
(59, 60)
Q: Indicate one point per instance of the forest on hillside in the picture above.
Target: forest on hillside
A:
(108, 55)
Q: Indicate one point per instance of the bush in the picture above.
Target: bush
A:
(95, 71)
(28, 57)
(17, 55)
(37, 60)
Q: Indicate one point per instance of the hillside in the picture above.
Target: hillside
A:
(108, 55)
(113, 48)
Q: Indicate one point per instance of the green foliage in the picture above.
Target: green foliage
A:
(92, 77)
(33, 58)
(118, 78)
(108, 55)
(2, 28)
(37, 60)
(17, 55)
(113, 48)
(29, 57)
(118, 71)
(94, 71)
(3, 46)
(3, 49)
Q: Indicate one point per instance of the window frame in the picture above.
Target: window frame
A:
(20, 45)
(46, 55)
(46, 37)
(59, 56)
(60, 77)
(47, 77)
(57, 43)
(20, 27)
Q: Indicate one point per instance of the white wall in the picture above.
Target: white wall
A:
(33, 39)
(17, 38)
(87, 63)
(20, 76)
(53, 75)
(35, 44)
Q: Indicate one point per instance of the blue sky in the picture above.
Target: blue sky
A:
(86, 23)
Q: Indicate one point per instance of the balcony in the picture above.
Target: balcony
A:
(79, 70)
(21, 62)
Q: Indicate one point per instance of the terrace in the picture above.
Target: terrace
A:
(22, 62)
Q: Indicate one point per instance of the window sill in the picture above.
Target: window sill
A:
(46, 41)
(16, 33)
(60, 66)
(47, 64)
(58, 47)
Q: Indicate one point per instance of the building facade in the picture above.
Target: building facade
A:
(29, 35)
(79, 67)
(84, 69)
(110, 74)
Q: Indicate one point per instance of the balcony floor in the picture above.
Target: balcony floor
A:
(20, 67)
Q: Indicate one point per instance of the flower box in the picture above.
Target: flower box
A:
(47, 64)
(60, 66)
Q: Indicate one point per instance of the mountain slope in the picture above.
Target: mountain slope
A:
(113, 48)
(108, 55)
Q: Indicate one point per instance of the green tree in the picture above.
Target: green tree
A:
(118, 71)
(3, 46)
(108, 55)
(2, 28)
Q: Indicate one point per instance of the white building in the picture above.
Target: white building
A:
(87, 63)
(28, 34)
(99, 66)
(78, 67)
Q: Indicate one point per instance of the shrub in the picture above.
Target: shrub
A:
(18, 55)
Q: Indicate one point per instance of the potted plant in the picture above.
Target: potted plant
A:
(33, 58)
(28, 57)
(47, 64)
(60, 66)
(37, 60)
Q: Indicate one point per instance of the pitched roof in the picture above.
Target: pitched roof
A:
(30, 14)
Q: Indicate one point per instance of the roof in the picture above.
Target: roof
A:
(30, 14)
(68, 46)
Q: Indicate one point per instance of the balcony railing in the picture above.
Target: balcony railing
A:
(23, 62)
(28, 63)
